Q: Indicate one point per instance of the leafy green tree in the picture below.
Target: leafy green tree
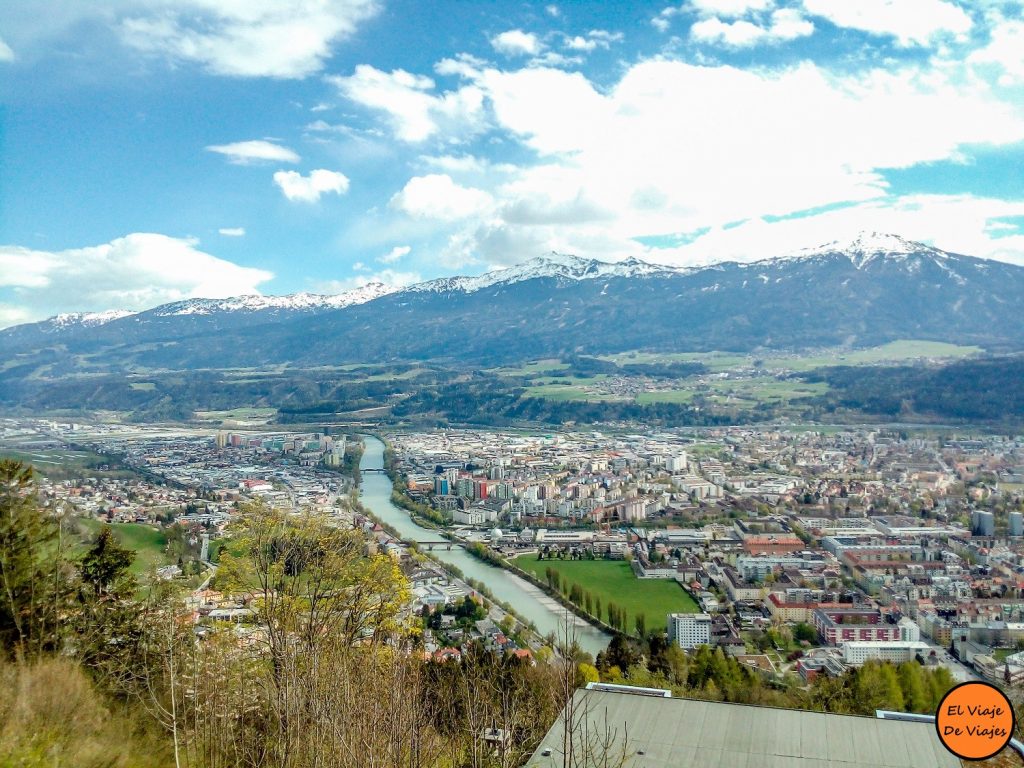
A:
(916, 694)
(804, 633)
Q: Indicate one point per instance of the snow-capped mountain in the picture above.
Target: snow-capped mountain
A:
(85, 319)
(868, 246)
(870, 290)
(558, 266)
(294, 302)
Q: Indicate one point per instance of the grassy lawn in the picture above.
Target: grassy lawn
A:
(893, 352)
(738, 393)
(564, 392)
(612, 581)
(237, 413)
(148, 543)
(63, 463)
(666, 396)
(537, 366)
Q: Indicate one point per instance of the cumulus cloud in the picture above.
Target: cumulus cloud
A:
(308, 189)
(415, 112)
(592, 40)
(785, 24)
(710, 9)
(911, 22)
(255, 151)
(134, 272)
(255, 38)
(1004, 51)
(395, 254)
(6, 54)
(515, 42)
(437, 196)
(676, 147)
(232, 231)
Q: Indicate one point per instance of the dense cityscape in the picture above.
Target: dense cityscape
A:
(389, 384)
(839, 546)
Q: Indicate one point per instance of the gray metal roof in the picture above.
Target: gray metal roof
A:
(706, 734)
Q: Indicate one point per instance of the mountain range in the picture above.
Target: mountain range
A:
(871, 290)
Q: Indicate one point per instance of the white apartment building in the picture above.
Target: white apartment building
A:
(689, 630)
(856, 652)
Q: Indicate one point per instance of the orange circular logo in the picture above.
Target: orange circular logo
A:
(975, 721)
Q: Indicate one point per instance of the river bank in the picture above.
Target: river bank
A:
(529, 601)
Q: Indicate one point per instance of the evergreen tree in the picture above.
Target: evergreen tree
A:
(34, 573)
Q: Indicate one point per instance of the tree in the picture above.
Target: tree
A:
(803, 632)
(916, 694)
(106, 613)
(35, 575)
(641, 625)
(105, 564)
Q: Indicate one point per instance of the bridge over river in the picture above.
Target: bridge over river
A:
(530, 602)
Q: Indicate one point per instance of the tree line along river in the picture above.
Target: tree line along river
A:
(526, 599)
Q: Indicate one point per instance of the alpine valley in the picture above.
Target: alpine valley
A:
(874, 290)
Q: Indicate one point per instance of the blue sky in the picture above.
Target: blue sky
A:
(152, 150)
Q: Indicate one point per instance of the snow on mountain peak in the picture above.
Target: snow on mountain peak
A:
(867, 246)
(293, 301)
(87, 319)
(552, 265)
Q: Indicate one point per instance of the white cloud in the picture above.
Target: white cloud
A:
(134, 272)
(735, 33)
(515, 42)
(579, 43)
(675, 147)
(415, 112)
(255, 151)
(436, 196)
(232, 231)
(455, 164)
(789, 24)
(1005, 51)
(911, 22)
(731, 8)
(786, 24)
(957, 223)
(395, 254)
(553, 10)
(6, 54)
(385, 276)
(595, 38)
(245, 38)
(308, 189)
(710, 8)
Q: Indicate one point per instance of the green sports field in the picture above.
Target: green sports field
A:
(613, 581)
